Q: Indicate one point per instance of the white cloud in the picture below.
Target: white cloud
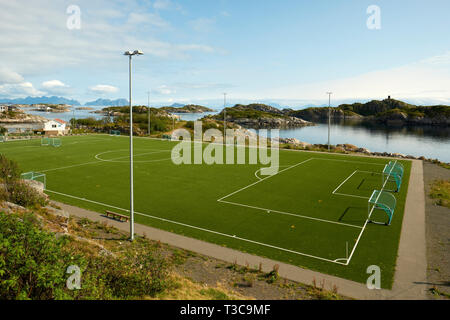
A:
(140, 19)
(163, 90)
(35, 39)
(19, 90)
(8, 76)
(55, 87)
(162, 4)
(203, 24)
(166, 5)
(103, 89)
(428, 78)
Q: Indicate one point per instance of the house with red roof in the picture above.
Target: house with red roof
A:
(56, 127)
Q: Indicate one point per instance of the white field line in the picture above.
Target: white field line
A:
(350, 195)
(345, 181)
(349, 161)
(100, 161)
(367, 220)
(203, 229)
(290, 214)
(264, 179)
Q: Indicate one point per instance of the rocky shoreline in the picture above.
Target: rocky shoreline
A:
(293, 143)
(271, 123)
(23, 118)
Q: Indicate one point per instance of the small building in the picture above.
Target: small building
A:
(55, 127)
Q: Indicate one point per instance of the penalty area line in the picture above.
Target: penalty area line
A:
(336, 261)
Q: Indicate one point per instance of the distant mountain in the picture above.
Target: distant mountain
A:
(37, 100)
(108, 102)
(177, 105)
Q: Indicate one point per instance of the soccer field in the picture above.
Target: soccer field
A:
(312, 214)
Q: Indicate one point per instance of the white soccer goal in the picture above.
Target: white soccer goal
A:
(54, 142)
(35, 176)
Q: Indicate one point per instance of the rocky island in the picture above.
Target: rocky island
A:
(387, 111)
(55, 108)
(190, 108)
(260, 116)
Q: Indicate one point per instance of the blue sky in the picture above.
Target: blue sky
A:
(290, 52)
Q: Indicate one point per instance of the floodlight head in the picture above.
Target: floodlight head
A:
(133, 53)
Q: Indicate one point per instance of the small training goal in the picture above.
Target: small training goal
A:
(35, 176)
(54, 142)
(115, 133)
(393, 172)
(384, 201)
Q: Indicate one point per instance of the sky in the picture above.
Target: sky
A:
(288, 51)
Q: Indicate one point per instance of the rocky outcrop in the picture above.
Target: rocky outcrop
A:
(320, 114)
(270, 123)
(22, 118)
(190, 108)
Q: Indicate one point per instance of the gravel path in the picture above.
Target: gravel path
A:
(438, 234)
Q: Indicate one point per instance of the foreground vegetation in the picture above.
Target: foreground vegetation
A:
(38, 244)
(440, 191)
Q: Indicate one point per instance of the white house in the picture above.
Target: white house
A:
(55, 127)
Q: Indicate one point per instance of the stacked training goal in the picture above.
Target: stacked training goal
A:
(393, 173)
(54, 142)
(383, 200)
(35, 176)
(115, 133)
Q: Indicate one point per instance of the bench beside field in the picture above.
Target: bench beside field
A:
(117, 216)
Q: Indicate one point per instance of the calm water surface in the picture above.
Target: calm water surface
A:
(429, 141)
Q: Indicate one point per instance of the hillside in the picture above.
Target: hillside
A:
(107, 102)
(386, 111)
(259, 116)
(191, 108)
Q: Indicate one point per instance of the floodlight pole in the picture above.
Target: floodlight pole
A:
(130, 55)
(148, 103)
(224, 117)
(329, 118)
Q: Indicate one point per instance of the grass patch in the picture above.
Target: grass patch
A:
(292, 217)
(440, 191)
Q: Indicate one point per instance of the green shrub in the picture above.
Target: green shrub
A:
(9, 170)
(24, 195)
(32, 262)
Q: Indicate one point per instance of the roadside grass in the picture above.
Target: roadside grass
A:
(440, 191)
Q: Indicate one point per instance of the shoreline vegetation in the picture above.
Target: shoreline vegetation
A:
(259, 116)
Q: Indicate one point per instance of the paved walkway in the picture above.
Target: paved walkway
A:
(410, 276)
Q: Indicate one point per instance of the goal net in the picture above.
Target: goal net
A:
(384, 201)
(115, 133)
(393, 172)
(54, 142)
(35, 176)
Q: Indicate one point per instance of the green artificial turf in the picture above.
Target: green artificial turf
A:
(293, 216)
